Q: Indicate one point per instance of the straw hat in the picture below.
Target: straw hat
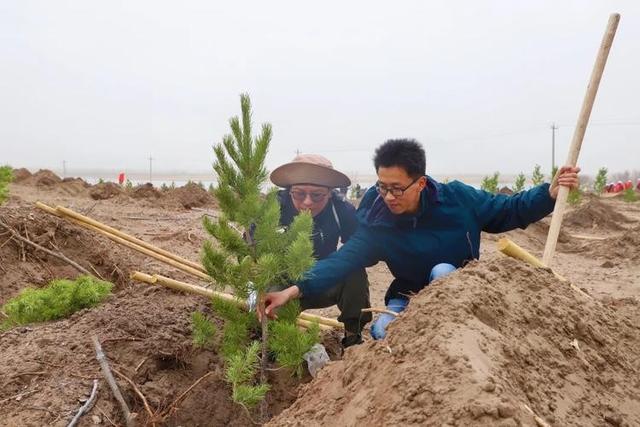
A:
(309, 169)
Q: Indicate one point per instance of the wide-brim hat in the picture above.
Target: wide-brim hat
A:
(312, 169)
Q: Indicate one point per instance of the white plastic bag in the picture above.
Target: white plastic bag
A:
(316, 358)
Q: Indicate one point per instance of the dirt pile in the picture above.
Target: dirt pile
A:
(595, 214)
(190, 196)
(480, 347)
(21, 174)
(42, 178)
(146, 191)
(105, 190)
(22, 265)
(625, 247)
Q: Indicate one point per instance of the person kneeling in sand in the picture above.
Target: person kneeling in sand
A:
(421, 228)
(309, 182)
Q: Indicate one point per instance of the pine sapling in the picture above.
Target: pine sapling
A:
(537, 177)
(490, 184)
(521, 180)
(6, 176)
(252, 253)
(600, 181)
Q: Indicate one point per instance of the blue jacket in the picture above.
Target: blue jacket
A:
(446, 229)
(337, 221)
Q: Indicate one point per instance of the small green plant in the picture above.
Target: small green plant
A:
(537, 177)
(211, 188)
(60, 298)
(521, 180)
(173, 185)
(575, 197)
(129, 185)
(630, 195)
(164, 187)
(490, 184)
(202, 329)
(601, 180)
(100, 181)
(201, 184)
(6, 176)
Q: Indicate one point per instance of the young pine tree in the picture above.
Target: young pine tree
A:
(490, 184)
(601, 180)
(6, 176)
(253, 253)
(537, 177)
(521, 180)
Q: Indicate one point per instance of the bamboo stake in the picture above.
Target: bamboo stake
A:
(129, 244)
(509, 248)
(125, 236)
(578, 134)
(156, 279)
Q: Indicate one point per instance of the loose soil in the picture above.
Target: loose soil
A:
(471, 349)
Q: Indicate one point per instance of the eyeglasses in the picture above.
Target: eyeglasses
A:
(300, 196)
(396, 192)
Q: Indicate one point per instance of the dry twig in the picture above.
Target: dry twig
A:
(137, 391)
(106, 372)
(87, 405)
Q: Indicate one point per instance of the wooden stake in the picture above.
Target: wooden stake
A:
(578, 134)
(156, 279)
(509, 248)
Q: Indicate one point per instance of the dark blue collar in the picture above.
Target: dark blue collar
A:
(379, 213)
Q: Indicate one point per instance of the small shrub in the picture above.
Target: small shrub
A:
(601, 181)
(537, 177)
(520, 182)
(575, 197)
(6, 176)
(129, 185)
(164, 187)
(490, 184)
(100, 181)
(60, 298)
(630, 195)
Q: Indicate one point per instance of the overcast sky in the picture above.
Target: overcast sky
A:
(105, 84)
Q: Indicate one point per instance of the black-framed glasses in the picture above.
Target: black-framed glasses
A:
(301, 195)
(395, 191)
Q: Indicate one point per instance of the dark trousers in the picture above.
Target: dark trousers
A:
(350, 295)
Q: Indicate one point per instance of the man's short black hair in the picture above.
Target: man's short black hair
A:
(405, 153)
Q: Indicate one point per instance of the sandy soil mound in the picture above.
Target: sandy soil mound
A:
(45, 369)
(146, 191)
(190, 196)
(624, 247)
(595, 214)
(22, 264)
(478, 348)
(73, 186)
(105, 190)
(21, 174)
(506, 190)
(43, 178)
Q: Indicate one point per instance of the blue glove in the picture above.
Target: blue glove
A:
(378, 328)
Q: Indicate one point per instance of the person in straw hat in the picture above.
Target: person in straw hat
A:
(309, 183)
(421, 228)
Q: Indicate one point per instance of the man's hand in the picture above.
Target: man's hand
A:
(272, 300)
(567, 177)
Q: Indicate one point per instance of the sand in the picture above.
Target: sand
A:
(472, 349)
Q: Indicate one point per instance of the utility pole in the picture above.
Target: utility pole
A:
(553, 146)
(297, 152)
(150, 170)
(64, 169)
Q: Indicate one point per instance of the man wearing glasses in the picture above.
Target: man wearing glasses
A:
(421, 228)
(309, 182)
